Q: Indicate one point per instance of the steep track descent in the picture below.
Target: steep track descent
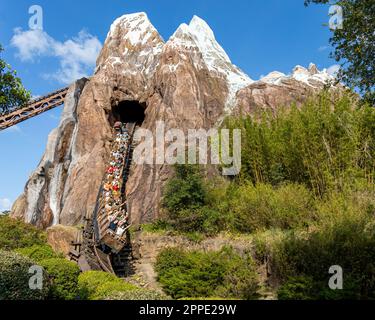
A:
(104, 244)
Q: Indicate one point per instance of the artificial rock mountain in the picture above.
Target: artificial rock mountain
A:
(188, 82)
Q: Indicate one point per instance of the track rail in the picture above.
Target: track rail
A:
(33, 108)
(93, 249)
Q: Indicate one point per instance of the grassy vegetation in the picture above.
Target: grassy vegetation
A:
(98, 285)
(139, 294)
(206, 274)
(64, 278)
(38, 253)
(305, 194)
(15, 234)
(15, 276)
(327, 144)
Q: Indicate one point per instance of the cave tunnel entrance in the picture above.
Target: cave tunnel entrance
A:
(129, 111)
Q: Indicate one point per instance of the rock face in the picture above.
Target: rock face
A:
(187, 82)
(277, 89)
(60, 238)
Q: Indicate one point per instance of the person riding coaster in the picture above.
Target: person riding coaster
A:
(115, 211)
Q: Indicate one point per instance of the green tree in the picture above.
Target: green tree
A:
(354, 45)
(12, 92)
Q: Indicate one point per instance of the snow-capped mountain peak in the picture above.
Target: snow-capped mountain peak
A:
(133, 45)
(200, 36)
(137, 25)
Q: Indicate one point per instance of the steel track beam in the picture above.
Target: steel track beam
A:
(33, 109)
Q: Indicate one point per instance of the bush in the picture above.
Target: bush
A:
(184, 191)
(89, 281)
(240, 279)
(97, 285)
(64, 275)
(138, 294)
(189, 203)
(38, 252)
(189, 274)
(109, 288)
(348, 243)
(15, 276)
(263, 207)
(199, 274)
(297, 288)
(16, 234)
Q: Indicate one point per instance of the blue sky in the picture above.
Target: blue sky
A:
(259, 36)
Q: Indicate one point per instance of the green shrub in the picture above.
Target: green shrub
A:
(184, 191)
(16, 234)
(297, 288)
(348, 243)
(193, 274)
(138, 294)
(97, 285)
(263, 207)
(64, 275)
(199, 274)
(189, 203)
(89, 281)
(240, 279)
(108, 288)
(15, 277)
(38, 252)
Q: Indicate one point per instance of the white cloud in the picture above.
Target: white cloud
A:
(76, 56)
(31, 43)
(5, 204)
(333, 70)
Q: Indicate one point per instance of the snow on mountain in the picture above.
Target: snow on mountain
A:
(138, 26)
(199, 36)
(198, 41)
(311, 76)
(133, 44)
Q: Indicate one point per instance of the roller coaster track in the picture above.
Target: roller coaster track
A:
(33, 108)
(92, 253)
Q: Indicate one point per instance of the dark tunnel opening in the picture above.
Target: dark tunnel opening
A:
(129, 111)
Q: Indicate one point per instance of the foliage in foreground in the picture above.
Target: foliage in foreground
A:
(305, 193)
(15, 234)
(15, 276)
(138, 294)
(345, 237)
(64, 278)
(98, 285)
(198, 274)
(38, 253)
